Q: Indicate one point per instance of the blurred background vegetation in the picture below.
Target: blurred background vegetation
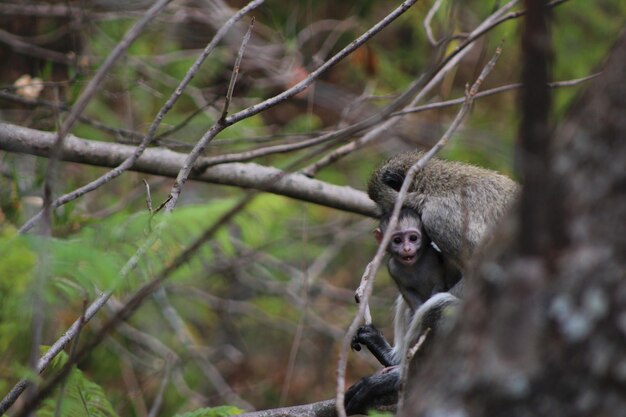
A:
(277, 282)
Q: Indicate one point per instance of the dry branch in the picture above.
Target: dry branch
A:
(151, 135)
(159, 161)
(319, 409)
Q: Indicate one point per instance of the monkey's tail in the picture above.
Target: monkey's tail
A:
(401, 322)
(427, 316)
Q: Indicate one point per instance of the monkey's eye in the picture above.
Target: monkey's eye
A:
(413, 238)
(397, 240)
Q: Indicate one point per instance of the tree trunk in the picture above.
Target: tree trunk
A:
(539, 335)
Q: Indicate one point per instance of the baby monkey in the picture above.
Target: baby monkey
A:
(418, 269)
(428, 284)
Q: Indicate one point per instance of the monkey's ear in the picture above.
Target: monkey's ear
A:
(378, 234)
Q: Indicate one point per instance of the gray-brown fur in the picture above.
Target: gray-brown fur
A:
(420, 282)
(458, 203)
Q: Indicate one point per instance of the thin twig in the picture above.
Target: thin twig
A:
(131, 385)
(117, 132)
(302, 85)
(445, 66)
(297, 339)
(86, 96)
(186, 339)
(21, 45)
(42, 276)
(233, 76)
(515, 15)
(418, 90)
(428, 20)
(148, 196)
(57, 410)
(491, 92)
(133, 304)
(130, 161)
(360, 291)
(469, 99)
(356, 128)
(404, 371)
(221, 124)
(158, 400)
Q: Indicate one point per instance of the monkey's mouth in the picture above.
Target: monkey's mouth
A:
(408, 260)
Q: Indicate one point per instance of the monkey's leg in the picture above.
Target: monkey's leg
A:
(372, 391)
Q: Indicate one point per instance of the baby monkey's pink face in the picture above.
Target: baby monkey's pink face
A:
(405, 245)
(406, 241)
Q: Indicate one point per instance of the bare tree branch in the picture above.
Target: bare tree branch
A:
(419, 90)
(149, 137)
(159, 161)
(449, 62)
(319, 409)
(223, 123)
(491, 92)
(87, 94)
(428, 20)
(235, 73)
(18, 44)
(129, 307)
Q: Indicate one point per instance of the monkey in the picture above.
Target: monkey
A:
(420, 272)
(382, 388)
(417, 268)
(458, 205)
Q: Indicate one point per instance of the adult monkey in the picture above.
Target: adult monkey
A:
(459, 204)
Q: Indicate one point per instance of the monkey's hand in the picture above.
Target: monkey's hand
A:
(373, 339)
(372, 391)
(365, 335)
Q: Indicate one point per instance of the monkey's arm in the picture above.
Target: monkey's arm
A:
(372, 391)
(457, 289)
(373, 339)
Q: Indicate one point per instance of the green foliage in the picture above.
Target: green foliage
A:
(91, 259)
(88, 259)
(78, 396)
(373, 413)
(282, 236)
(221, 411)
(263, 219)
(274, 306)
(248, 127)
(303, 124)
(16, 267)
